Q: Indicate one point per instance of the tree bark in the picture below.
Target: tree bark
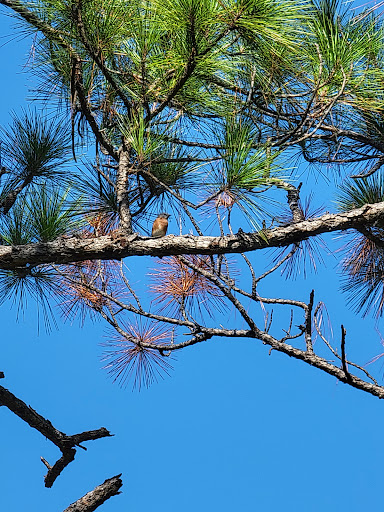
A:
(120, 245)
(98, 496)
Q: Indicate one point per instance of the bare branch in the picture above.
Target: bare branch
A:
(293, 197)
(308, 323)
(278, 264)
(334, 352)
(322, 364)
(65, 443)
(371, 171)
(343, 358)
(93, 499)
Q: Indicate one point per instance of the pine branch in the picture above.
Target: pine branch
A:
(120, 245)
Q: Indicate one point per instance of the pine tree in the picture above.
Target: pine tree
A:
(204, 110)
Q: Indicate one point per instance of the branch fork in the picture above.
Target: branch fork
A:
(65, 443)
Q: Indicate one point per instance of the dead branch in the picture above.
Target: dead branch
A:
(65, 443)
(343, 358)
(308, 323)
(93, 499)
(200, 333)
(334, 352)
(293, 197)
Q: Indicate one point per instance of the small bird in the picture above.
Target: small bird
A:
(160, 225)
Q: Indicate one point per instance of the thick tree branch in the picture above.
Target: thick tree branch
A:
(10, 199)
(123, 174)
(93, 499)
(117, 246)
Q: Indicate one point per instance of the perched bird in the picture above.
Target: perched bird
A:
(160, 225)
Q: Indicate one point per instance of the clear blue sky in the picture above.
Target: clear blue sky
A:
(232, 429)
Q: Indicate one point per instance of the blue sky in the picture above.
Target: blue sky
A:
(233, 428)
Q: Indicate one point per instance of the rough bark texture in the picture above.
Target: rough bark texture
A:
(122, 195)
(98, 496)
(117, 246)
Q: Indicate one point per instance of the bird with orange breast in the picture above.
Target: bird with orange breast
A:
(160, 225)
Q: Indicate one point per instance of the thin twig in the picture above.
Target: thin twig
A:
(334, 352)
(343, 359)
(308, 323)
